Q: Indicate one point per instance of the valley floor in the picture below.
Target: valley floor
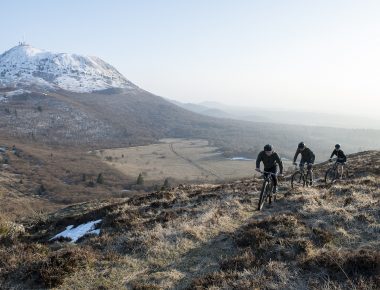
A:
(182, 160)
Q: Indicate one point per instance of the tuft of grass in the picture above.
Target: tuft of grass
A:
(63, 263)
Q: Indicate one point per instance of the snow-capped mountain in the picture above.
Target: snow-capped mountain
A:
(24, 66)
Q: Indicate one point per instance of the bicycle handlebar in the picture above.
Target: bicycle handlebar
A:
(334, 159)
(266, 172)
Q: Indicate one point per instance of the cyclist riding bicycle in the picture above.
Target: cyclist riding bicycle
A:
(339, 153)
(270, 160)
(307, 156)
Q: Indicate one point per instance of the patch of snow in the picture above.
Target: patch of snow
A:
(26, 65)
(240, 159)
(16, 92)
(76, 233)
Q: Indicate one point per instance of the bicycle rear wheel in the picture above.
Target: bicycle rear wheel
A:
(263, 195)
(331, 175)
(346, 174)
(298, 179)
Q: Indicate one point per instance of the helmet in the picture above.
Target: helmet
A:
(268, 147)
(337, 146)
(301, 145)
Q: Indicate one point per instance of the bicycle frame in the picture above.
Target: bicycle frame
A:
(305, 175)
(266, 191)
(267, 175)
(338, 165)
(338, 170)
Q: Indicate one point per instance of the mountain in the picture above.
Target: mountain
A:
(204, 110)
(307, 118)
(206, 237)
(70, 100)
(24, 65)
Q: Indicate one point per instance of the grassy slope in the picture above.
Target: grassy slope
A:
(210, 237)
(60, 171)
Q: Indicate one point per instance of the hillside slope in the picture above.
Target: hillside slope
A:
(209, 237)
(123, 117)
(63, 100)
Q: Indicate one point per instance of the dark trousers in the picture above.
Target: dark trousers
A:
(309, 167)
(341, 160)
(274, 171)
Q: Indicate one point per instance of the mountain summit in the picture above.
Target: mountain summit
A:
(25, 65)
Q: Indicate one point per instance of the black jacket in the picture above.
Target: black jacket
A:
(340, 154)
(306, 155)
(269, 161)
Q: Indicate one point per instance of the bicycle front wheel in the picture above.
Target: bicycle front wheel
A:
(263, 195)
(298, 180)
(331, 175)
(269, 192)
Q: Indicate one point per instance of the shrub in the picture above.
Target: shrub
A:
(166, 184)
(91, 183)
(62, 263)
(41, 190)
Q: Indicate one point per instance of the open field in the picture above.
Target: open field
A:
(179, 159)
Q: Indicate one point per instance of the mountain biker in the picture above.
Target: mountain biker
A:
(270, 160)
(339, 153)
(307, 156)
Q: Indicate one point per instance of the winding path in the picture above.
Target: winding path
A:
(171, 146)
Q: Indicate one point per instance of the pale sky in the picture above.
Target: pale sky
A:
(304, 55)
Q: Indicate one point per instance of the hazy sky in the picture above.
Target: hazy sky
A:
(313, 55)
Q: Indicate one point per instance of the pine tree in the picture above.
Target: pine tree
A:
(140, 179)
(166, 183)
(100, 179)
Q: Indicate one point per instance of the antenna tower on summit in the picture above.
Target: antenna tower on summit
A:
(22, 43)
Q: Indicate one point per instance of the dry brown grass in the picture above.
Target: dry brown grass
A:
(60, 171)
(211, 237)
(62, 263)
(183, 160)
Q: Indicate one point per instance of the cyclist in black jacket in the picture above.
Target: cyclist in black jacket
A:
(339, 153)
(307, 156)
(270, 160)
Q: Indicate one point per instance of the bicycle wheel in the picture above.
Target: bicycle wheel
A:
(298, 179)
(269, 192)
(346, 174)
(331, 175)
(263, 194)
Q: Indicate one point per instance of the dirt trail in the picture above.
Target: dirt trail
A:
(201, 168)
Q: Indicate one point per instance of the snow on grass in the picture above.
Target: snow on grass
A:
(76, 233)
(240, 159)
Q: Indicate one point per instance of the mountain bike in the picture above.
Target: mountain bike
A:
(266, 193)
(300, 179)
(333, 173)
